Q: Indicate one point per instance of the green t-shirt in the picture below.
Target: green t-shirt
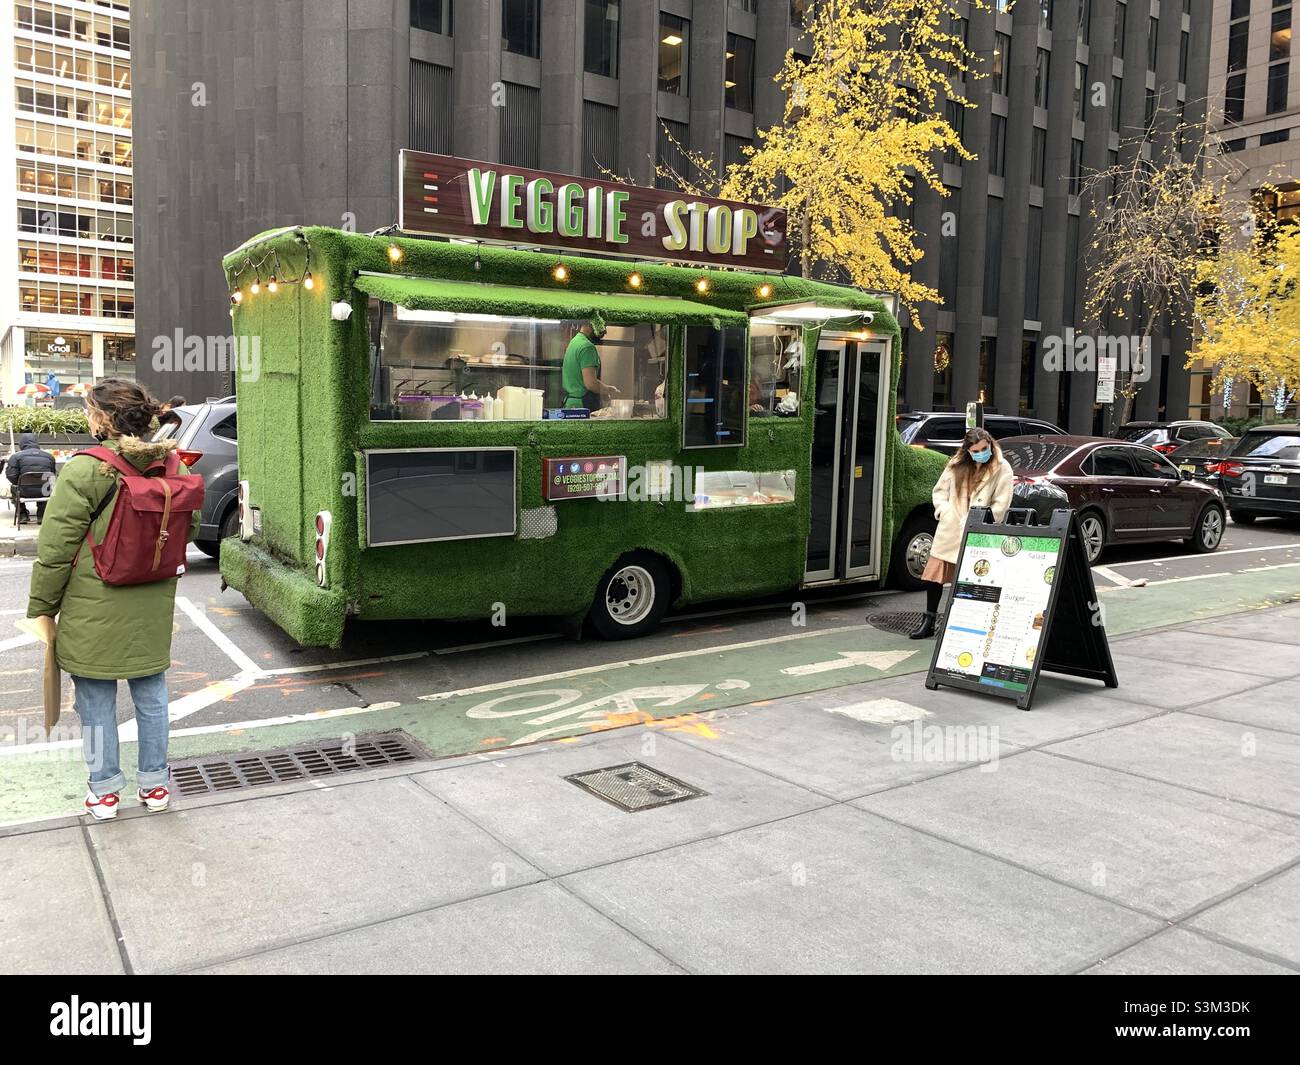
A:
(581, 353)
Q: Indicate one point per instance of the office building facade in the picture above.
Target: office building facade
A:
(1255, 110)
(67, 285)
(585, 86)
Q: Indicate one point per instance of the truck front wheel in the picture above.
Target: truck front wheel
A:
(632, 598)
(911, 550)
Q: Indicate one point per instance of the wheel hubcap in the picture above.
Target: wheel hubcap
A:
(1092, 538)
(918, 553)
(630, 595)
(1212, 529)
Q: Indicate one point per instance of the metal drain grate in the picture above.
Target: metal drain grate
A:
(900, 624)
(634, 787)
(251, 769)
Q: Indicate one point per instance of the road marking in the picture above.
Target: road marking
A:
(881, 660)
(321, 667)
(488, 644)
(651, 660)
(1212, 555)
(17, 641)
(245, 664)
(192, 703)
(1110, 575)
(1206, 576)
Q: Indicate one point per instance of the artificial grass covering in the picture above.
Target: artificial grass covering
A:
(427, 294)
(304, 422)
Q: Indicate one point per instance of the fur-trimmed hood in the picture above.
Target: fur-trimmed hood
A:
(142, 452)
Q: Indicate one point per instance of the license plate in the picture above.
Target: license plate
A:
(1187, 469)
(1275, 478)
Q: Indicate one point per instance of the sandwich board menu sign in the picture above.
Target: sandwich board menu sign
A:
(1023, 601)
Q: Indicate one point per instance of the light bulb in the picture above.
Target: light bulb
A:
(560, 273)
(237, 296)
(764, 291)
(702, 285)
(272, 286)
(395, 253)
(635, 280)
(255, 287)
(308, 282)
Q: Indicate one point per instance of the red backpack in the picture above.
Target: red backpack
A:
(150, 526)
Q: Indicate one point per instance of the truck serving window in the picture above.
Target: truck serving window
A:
(775, 370)
(423, 495)
(432, 365)
(717, 392)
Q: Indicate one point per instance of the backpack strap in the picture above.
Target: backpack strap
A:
(107, 454)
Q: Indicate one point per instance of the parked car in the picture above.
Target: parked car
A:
(1201, 458)
(1261, 475)
(1167, 437)
(208, 446)
(1122, 493)
(944, 432)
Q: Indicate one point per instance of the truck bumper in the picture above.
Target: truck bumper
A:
(312, 615)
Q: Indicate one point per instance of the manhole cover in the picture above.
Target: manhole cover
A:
(900, 624)
(251, 769)
(634, 787)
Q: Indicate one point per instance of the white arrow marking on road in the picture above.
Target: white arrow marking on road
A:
(881, 660)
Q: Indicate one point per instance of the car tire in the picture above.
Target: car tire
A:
(230, 523)
(632, 598)
(1209, 530)
(1244, 517)
(211, 548)
(911, 550)
(1093, 528)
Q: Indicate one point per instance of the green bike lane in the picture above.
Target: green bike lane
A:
(676, 690)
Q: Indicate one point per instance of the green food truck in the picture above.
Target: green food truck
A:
(418, 437)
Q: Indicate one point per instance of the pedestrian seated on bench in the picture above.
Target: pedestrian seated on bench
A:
(31, 472)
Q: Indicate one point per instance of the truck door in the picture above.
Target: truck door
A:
(848, 454)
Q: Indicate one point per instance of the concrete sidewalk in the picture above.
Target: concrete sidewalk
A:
(20, 540)
(875, 827)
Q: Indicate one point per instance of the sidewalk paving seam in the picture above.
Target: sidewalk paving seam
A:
(106, 898)
(1289, 814)
(549, 877)
(1234, 721)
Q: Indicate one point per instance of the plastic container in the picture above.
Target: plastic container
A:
(535, 399)
(471, 410)
(621, 408)
(415, 406)
(514, 402)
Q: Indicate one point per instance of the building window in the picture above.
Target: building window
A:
(601, 31)
(599, 139)
(960, 28)
(1234, 100)
(998, 146)
(739, 77)
(1150, 109)
(1121, 27)
(993, 257)
(1116, 97)
(1038, 158)
(799, 12)
(1238, 37)
(957, 120)
(1279, 82)
(1240, 9)
(1085, 21)
(1278, 136)
(1080, 90)
(431, 104)
(1152, 42)
(1028, 366)
(1001, 63)
(432, 15)
(1042, 67)
(1184, 50)
(1045, 13)
(521, 27)
(518, 140)
(1279, 44)
(674, 55)
(1033, 262)
(671, 153)
(1076, 167)
(989, 368)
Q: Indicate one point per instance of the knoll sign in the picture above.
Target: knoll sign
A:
(451, 197)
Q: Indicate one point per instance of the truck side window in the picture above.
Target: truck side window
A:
(717, 392)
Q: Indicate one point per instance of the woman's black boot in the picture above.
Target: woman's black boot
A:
(925, 630)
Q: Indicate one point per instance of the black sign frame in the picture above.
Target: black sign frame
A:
(1074, 639)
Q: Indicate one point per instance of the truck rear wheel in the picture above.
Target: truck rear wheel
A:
(632, 598)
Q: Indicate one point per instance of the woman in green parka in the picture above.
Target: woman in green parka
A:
(108, 633)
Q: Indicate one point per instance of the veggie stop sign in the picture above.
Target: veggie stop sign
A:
(450, 197)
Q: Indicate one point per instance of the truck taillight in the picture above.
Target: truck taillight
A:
(245, 513)
(323, 522)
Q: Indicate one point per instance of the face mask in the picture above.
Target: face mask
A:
(982, 456)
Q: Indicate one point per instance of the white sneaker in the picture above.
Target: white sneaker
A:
(155, 799)
(102, 807)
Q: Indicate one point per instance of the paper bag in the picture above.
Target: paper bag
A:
(45, 630)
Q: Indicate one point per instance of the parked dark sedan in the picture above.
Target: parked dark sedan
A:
(1167, 437)
(1201, 458)
(1261, 476)
(944, 432)
(1123, 493)
(208, 446)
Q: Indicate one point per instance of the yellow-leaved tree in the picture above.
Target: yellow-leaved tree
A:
(863, 124)
(1248, 311)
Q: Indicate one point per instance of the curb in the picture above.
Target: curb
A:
(26, 546)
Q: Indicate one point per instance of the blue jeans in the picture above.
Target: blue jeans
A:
(96, 705)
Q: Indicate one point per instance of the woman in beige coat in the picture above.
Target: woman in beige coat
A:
(977, 476)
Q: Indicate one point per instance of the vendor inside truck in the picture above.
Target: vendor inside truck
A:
(581, 376)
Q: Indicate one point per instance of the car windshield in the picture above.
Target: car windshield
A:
(907, 426)
(1268, 445)
(1035, 454)
(1212, 445)
(1137, 432)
